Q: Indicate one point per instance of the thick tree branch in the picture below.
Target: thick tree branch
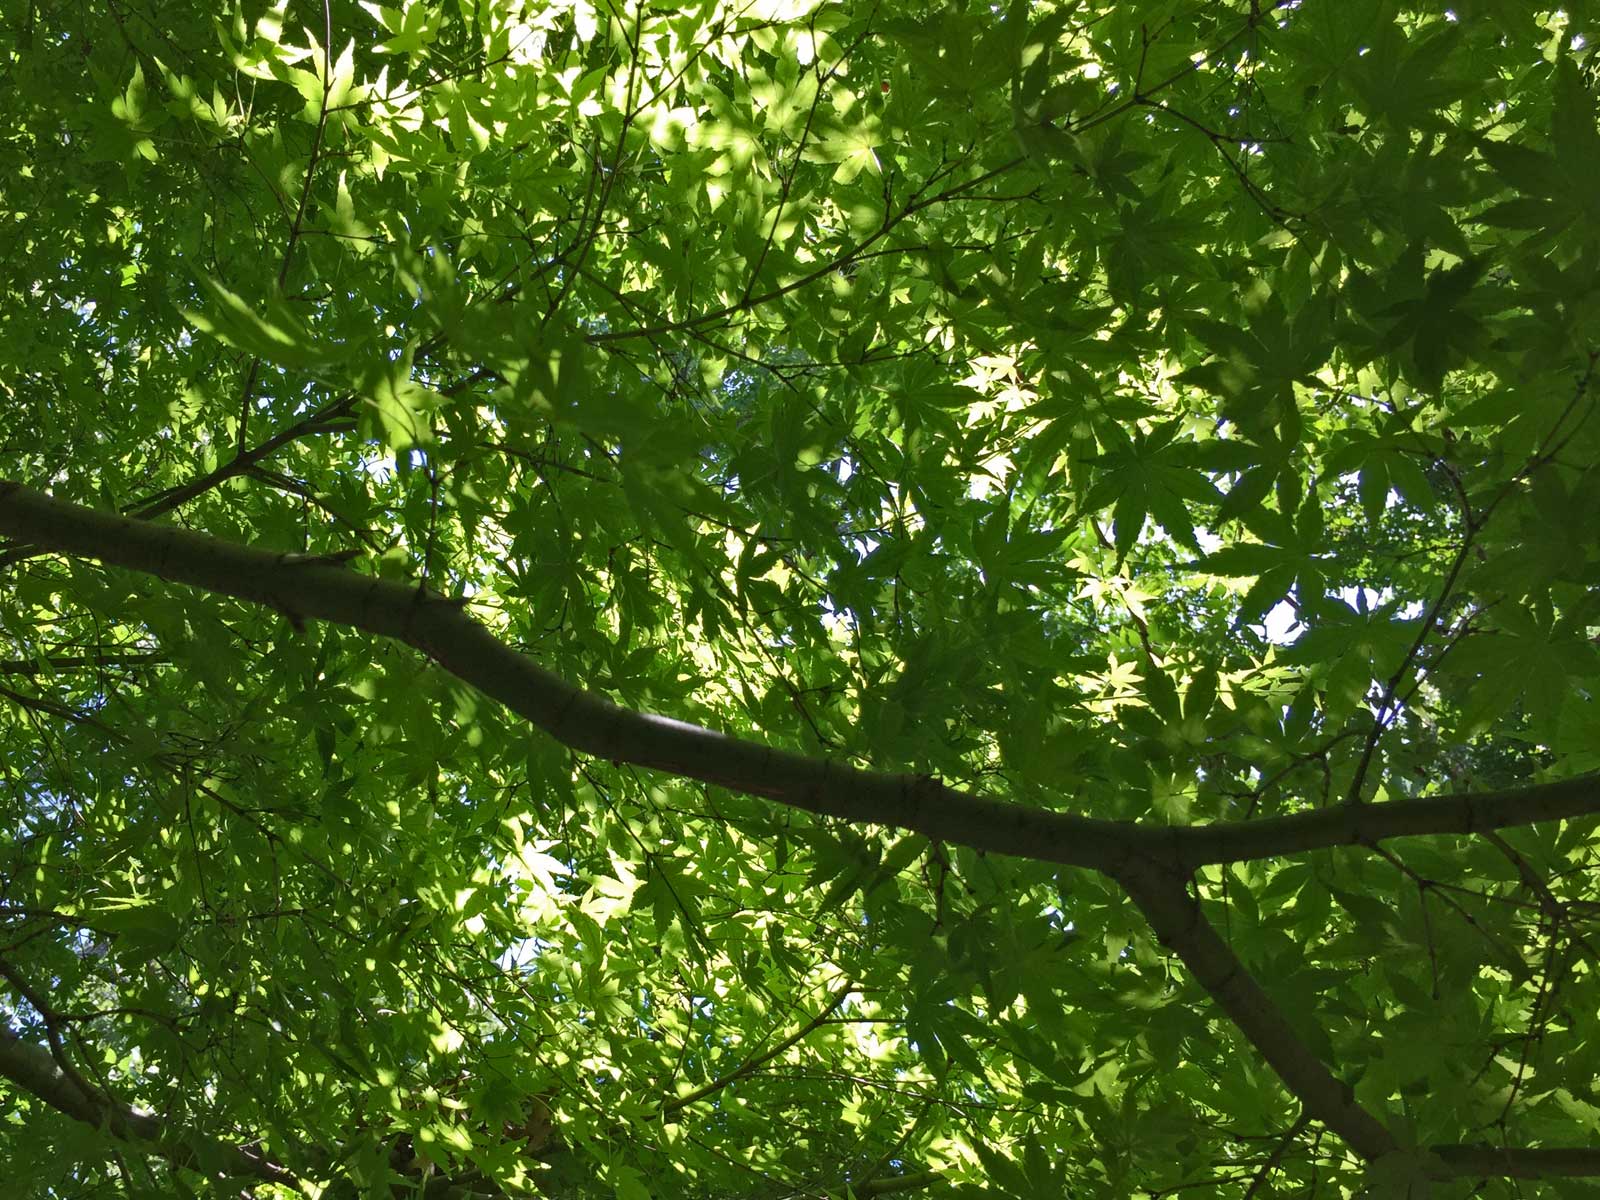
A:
(31, 1068)
(303, 587)
(1368, 824)
(1178, 922)
(1152, 864)
(52, 1027)
(1518, 1162)
(1175, 916)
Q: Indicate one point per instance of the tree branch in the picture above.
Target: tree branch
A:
(678, 1103)
(31, 1068)
(897, 1183)
(304, 588)
(52, 663)
(307, 588)
(1175, 916)
(1519, 1162)
(1152, 864)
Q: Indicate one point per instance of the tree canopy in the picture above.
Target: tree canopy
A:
(769, 599)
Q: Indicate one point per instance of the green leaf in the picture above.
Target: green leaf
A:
(1252, 487)
(271, 332)
(400, 409)
(1244, 559)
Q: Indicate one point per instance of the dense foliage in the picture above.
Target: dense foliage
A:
(1132, 460)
